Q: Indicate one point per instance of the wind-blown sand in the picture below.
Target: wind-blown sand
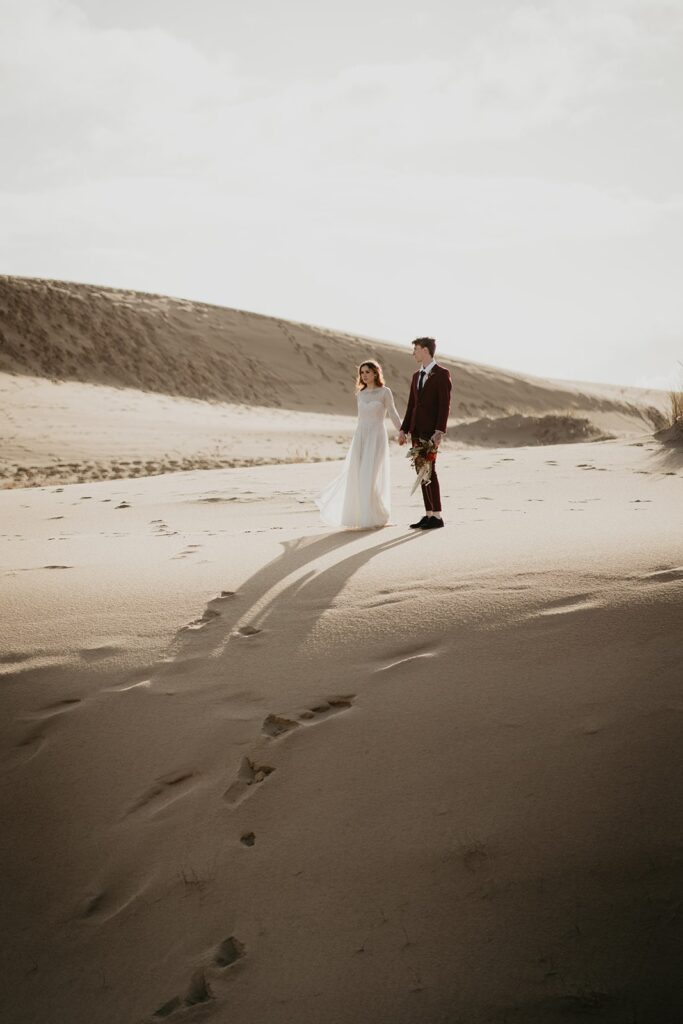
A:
(256, 770)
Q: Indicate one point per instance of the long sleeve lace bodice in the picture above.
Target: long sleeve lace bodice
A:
(375, 404)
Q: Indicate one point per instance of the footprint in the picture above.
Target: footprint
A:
(246, 631)
(229, 952)
(208, 616)
(168, 1008)
(249, 774)
(198, 991)
(332, 706)
(212, 611)
(275, 725)
(190, 549)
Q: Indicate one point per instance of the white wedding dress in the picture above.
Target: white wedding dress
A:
(360, 497)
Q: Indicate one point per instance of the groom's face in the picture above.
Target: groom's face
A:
(419, 354)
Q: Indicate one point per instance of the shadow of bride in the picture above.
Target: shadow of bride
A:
(285, 598)
(314, 591)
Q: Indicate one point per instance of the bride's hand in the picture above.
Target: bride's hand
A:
(401, 437)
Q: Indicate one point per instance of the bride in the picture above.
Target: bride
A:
(360, 497)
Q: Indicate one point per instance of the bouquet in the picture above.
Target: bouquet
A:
(422, 455)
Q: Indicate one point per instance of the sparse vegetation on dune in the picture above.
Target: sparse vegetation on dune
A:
(128, 339)
(676, 409)
(102, 383)
(671, 431)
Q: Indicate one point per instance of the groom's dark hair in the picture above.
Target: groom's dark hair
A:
(429, 343)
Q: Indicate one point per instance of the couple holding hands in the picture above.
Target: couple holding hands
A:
(360, 497)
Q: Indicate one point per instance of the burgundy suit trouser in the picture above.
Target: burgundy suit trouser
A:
(431, 492)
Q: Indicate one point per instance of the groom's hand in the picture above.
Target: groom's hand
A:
(401, 437)
(437, 437)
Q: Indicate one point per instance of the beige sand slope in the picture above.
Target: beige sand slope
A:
(65, 431)
(256, 771)
(165, 383)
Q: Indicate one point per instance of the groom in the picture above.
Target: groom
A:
(426, 419)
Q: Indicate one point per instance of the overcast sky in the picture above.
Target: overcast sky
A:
(505, 176)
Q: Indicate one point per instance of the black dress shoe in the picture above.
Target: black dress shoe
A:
(433, 523)
(421, 525)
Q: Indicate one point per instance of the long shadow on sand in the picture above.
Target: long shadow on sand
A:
(294, 589)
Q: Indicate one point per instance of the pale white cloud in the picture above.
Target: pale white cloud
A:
(427, 212)
(433, 166)
(80, 96)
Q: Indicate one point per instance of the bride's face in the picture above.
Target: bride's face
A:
(367, 375)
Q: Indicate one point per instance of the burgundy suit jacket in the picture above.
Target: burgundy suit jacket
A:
(428, 409)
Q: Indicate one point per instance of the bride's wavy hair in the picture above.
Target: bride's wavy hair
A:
(379, 379)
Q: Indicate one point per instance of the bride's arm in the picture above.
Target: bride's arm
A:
(390, 407)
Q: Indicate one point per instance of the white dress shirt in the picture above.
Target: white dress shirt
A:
(427, 369)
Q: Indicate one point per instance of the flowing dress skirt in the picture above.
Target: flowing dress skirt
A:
(360, 497)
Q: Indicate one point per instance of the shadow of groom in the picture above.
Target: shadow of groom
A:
(281, 602)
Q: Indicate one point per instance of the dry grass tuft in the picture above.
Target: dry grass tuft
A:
(676, 408)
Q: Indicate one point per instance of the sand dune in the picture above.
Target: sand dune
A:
(254, 770)
(106, 336)
(68, 432)
(166, 384)
(518, 431)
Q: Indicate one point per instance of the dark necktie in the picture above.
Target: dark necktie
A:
(420, 383)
